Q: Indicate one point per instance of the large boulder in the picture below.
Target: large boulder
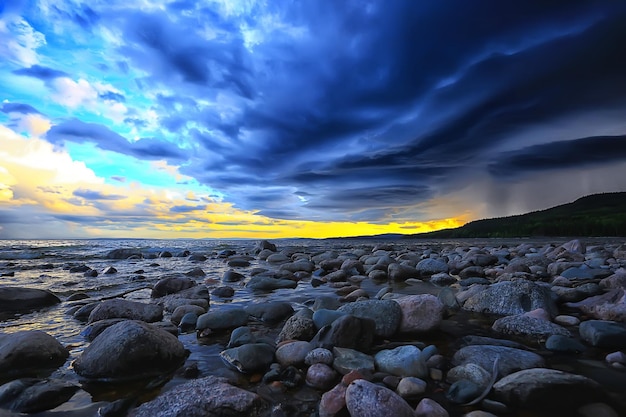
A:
(420, 313)
(29, 352)
(126, 309)
(509, 359)
(511, 297)
(130, 350)
(124, 253)
(547, 389)
(206, 397)
(386, 314)
(172, 285)
(24, 299)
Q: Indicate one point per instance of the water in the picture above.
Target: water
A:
(45, 264)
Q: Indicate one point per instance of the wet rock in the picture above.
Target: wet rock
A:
(319, 355)
(232, 276)
(297, 327)
(547, 389)
(31, 395)
(293, 353)
(365, 399)
(321, 376)
(277, 258)
(271, 312)
(600, 333)
(386, 314)
(302, 265)
(188, 323)
(333, 401)
(196, 273)
(401, 272)
(482, 340)
(463, 391)
(172, 285)
(348, 360)
(130, 350)
(523, 325)
(253, 357)
(24, 299)
(238, 263)
(509, 359)
(564, 344)
(222, 319)
(430, 408)
(133, 310)
(94, 329)
(181, 311)
(265, 282)
(124, 253)
(28, 352)
(223, 292)
(347, 331)
(410, 387)
(205, 397)
(109, 270)
(608, 306)
(264, 245)
(324, 317)
(443, 279)
(471, 372)
(197, 257)
(420, 313)
(510, 298)
(402, 361)
(241, 336)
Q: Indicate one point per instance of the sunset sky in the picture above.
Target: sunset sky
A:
(311, 118)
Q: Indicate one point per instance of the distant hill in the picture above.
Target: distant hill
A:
(593, 215)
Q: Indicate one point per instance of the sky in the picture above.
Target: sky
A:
(310, 118)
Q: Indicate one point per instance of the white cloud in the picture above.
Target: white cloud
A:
(19, 41)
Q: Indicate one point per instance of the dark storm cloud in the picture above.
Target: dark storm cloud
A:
(96, 195)
(563, 154)
(41, 72)
(144, 148)
(18, 108)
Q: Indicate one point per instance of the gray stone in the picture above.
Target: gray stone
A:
(124, 253)
(347, 332)
(29, 352)
(319, 355)
(410, 387)
(126, 309)
(600, 333)
(206, 397)
(33, 395)
(94, 329)
(509, 359)
(386, 314)
(401, 272)
(510, 298)
(463, 391)
(324, 317)
(523, 325)
(321, 376)
(271, 312)
(232, 276)
(564, 344)
(293, 353)
(130, 350)
(297, 327)
(222, 319)
(547, 389)
(253, 357)
(181, 311)
(402, 361)
(24, 299)
(188, 323)
(420, 313)
(348, 360)
(264, 282)
(365, 399)
(430, 408)
(171, 285)
(471, 372)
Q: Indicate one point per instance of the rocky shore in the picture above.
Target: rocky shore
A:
(382, 330)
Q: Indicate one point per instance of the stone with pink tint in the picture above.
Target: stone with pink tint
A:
(430, 408)
(420, 313)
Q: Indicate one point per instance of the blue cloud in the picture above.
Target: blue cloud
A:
(19, 108)
(41, 72)
(96, 195)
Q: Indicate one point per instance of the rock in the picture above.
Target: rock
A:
(319, 355)
(94, 329)
(402, 361)
(188, 323)
(31, 395)
(253, 357)
(608, 306)
(297, 327)
(420, 313)
(197, 257)
(178, 314)
(473, 272)
(130, 350)
(596, 410)
(365, 399)
(241, 336)
(124, 253)
(431, 266)
(333, 401)
(386, 314)
(348, 332)
(265, 282)
(582, 273)
(607, 334)
(196, 273)
(271, 312)
(222, 319)
(564, 344)
(28, 352)
(471, 372)
(132, 310)
(172, 285)
(238, 263)
(25, 299)
(320, 376)
(264, 245)
(223, 291)
(523, 325)
(410, 387)
(109, 270)
(205, 397)
(616, 357)
(547, 389)
(463, 391)
(430, 408)
(443, 279)
(324, 317)
(277, 258)
(348, 360)
(564, 320)
(293, 353)
(510, 298)
(401, 272)
(301, 265)
(232, 276)
(510, 359)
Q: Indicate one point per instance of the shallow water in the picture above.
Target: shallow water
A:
(45, 264)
